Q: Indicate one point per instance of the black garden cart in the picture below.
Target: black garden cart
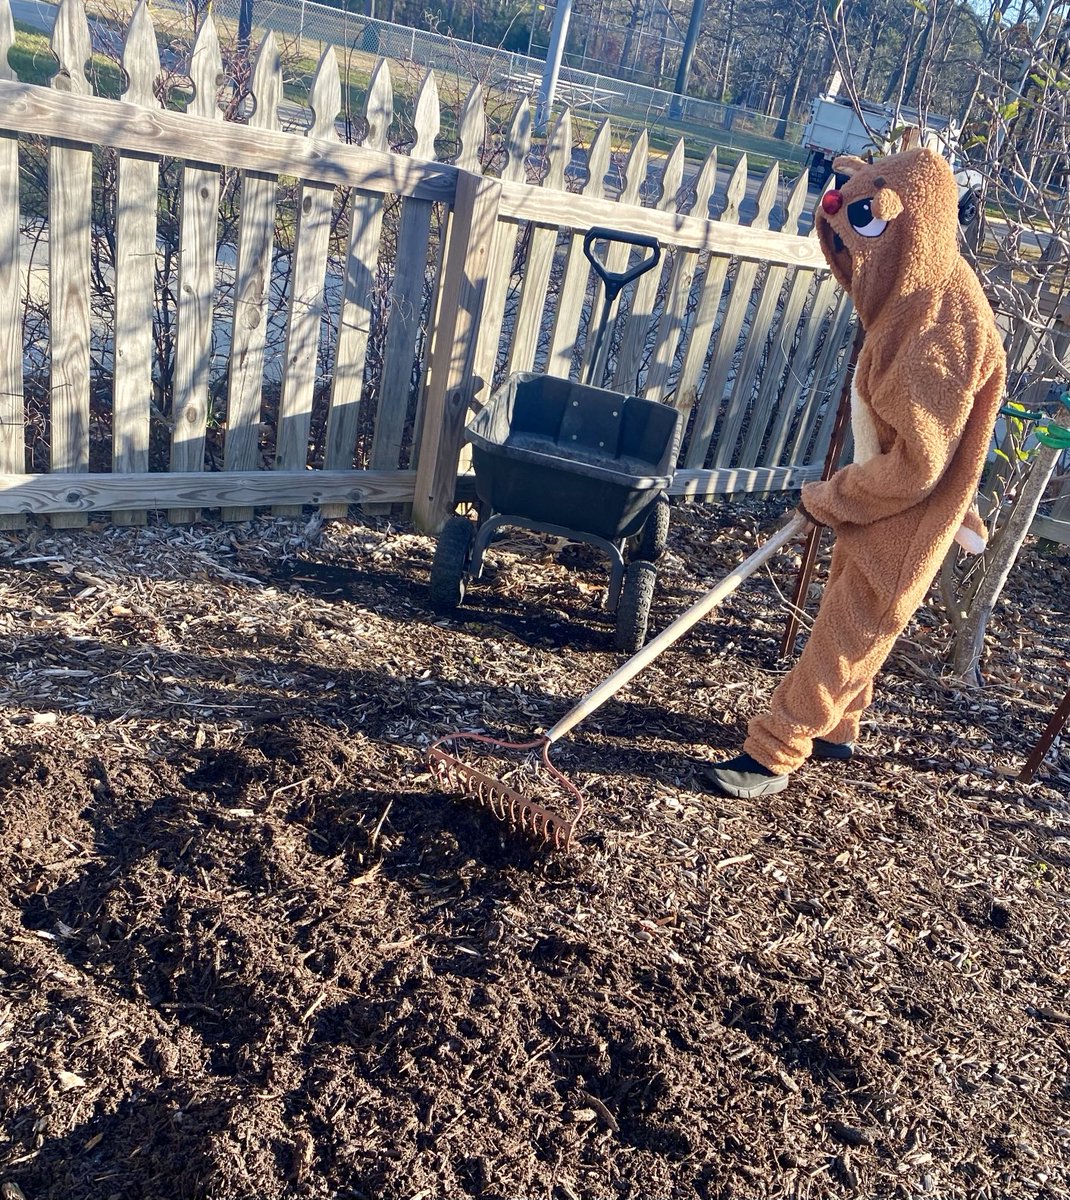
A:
(577, 461)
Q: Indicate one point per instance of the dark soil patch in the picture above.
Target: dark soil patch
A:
(247, 950)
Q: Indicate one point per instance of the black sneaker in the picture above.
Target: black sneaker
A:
(832, 751)
(744, 778)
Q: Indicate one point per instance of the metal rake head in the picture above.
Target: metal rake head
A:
(521, 811)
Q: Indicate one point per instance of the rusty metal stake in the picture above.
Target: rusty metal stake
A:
(813, 540)
(1055, 725)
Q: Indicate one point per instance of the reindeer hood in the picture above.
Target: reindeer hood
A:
(890, 231)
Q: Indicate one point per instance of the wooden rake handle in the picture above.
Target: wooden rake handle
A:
(672, 633)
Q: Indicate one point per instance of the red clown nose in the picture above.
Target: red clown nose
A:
(832, 202)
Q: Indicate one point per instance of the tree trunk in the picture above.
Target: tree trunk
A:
(970, 639)
(798, 65)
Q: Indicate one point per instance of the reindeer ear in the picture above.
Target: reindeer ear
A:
(886, 204)
(847, 164)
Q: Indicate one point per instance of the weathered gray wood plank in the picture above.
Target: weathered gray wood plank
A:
(12, 411)
(29, 109)
(252, 282)
(824, 385)
(305, 314)
(709, 299)
(82, 492)
(763, 324)
(396, 389)
(198, 222)
(783, 359)
(788, 361)
(641, 310)
(798, 381)
(135, 267)
(362, 257)
(542, 245)
(451, 380)
(674, 319)
(727, 341)
(721, 481)
(577, 271)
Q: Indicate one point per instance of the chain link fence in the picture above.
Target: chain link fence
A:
(588, 94)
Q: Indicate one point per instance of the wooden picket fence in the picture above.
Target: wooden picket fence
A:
(741, 327)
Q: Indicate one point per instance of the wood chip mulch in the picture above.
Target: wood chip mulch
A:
(248, 950)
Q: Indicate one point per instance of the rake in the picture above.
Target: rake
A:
(536, 799)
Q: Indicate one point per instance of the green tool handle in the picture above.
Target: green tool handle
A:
(672, 633)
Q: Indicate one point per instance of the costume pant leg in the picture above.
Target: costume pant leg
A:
(847, 730)
(873, 591)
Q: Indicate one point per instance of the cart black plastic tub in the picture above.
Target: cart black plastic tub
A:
(562, 453)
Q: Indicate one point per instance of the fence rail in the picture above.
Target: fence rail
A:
(184, 253)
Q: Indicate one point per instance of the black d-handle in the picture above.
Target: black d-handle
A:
(615, 280)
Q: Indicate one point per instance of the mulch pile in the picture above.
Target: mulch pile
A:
(248, 950)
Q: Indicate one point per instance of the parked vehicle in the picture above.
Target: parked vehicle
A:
(835, 127)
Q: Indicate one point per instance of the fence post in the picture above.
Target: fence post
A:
(451, 385)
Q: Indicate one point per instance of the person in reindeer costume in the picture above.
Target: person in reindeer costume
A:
(926, 390)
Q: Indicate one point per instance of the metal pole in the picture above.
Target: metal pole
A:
(245, 27)
(676, 108)
(531, 24)
(558, 33)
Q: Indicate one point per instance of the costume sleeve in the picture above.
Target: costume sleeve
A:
(926, 402)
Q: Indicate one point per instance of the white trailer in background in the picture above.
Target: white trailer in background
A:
(836, 127)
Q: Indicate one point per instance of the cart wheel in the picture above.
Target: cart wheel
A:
(450, 564)
(654, 535)
(633, 611)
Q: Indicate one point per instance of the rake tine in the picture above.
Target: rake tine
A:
(539, 820)
(523, 814)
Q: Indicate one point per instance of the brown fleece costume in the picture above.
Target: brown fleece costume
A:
(927, 387)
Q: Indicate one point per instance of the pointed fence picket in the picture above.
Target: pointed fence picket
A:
(315, 203)
(196, 273)
(12, 402)
(771, 310)
(741, 322)
(471, 133)
(252, 282)
(135, 269)
(572, 294)
(70, 175)
(542, 242)
(406, 304)
(641, 314)
(678, 295)
(615, 259)
(708, 299)
(735, 315)
(355, 318)
(502, 254)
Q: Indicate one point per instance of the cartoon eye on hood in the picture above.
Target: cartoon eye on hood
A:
(863, 222)
(889, 228)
